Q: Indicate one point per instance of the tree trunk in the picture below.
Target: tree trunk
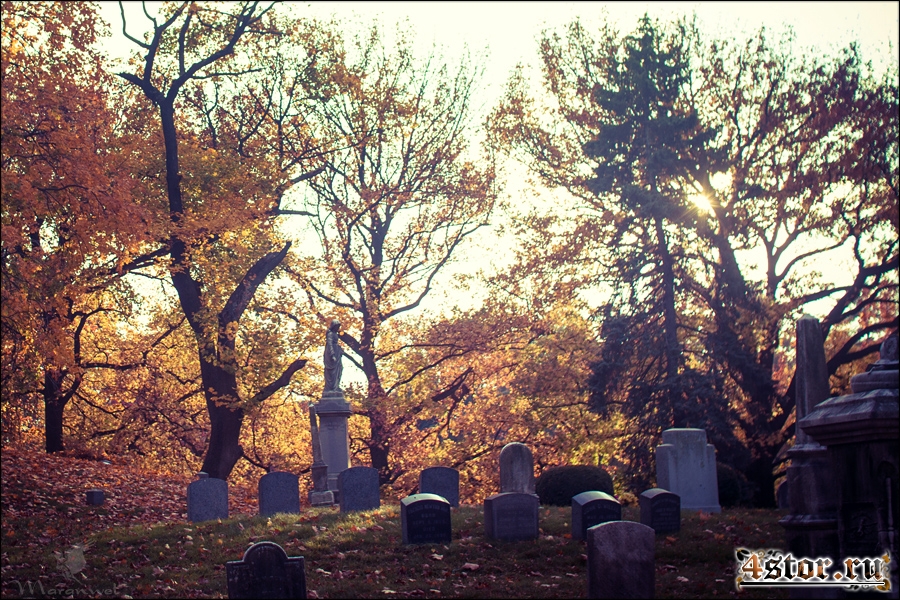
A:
(670, 325)
(225, 417)
(54, 405)
(379, 447)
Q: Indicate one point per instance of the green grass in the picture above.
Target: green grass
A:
(360, 556)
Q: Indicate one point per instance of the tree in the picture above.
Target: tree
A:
(391, 206)
(772, 141)
(208, 73)
(64, 201)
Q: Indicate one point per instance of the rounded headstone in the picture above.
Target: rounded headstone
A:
(442, 481)
(425, 519)
(358, 488)
(279, 492)
(516, 469)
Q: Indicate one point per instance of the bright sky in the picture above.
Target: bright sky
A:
(510, 30)
(508, 33)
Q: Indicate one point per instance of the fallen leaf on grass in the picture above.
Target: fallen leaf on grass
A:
(682, 579)
(437, 556)
(471, 567)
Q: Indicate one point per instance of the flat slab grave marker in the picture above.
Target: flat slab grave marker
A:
(94, 497)
(593, 508)
(442, 481)
(207, 500)
(511, 516)
(686, 465)
(660, 510)
(621, 557)
(516, 469)
(358, 489)
(266, 572)
(279, 492)
(425, 519)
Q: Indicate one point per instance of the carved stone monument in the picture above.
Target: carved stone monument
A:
(863, 446)
(811, 527)
(333, 411)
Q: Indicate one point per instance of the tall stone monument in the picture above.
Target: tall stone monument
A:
(333, 411)
(863, 446)
(811, 526)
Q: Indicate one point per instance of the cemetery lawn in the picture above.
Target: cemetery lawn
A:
(138, 544)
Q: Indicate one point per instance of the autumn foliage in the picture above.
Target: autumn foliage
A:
(178, 230)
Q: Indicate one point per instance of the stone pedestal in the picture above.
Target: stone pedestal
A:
(686, 465)
(862, 439)
(333, 411)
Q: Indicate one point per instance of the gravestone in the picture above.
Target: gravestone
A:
(442, 481)
(266, 572)
(511, 516)
(94, 497)
(425, 519)
(593, 508)
(621, 557)
(358, 488)
(279, 492)
(660, 510)
(516, 469)
(686, 465)
(207, 499)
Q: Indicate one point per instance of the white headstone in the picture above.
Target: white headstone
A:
(686, 465)
(516, 469)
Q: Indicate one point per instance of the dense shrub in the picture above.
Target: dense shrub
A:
(557, 485)
(734, 488)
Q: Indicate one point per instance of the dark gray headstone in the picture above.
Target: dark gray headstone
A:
(425, 519)
(94, 497)
(511, 516)
(661, 510)
(358, 487)
(279, 492)
(621, 558)
(266, 572)
(207, 499)
(516, 469)
(593, 508)
(442, 481)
